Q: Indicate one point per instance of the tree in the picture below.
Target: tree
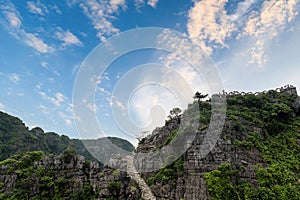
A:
(200, 96)
(174, 113)
(142, 135)
(114, 188)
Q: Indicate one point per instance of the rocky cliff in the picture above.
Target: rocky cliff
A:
(255, 156)
(33, 175)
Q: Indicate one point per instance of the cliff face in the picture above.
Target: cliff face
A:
(34, 175)
(256, 156)
(244, 157)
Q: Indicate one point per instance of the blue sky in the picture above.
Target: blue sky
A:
(254, 44)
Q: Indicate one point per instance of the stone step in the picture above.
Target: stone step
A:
(146, 191)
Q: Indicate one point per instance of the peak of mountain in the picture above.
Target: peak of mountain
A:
(256, 156)
(15, 138)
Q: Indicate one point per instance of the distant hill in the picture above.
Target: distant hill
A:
(15, 138)
(256, 156)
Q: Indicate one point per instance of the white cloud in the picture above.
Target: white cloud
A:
(152, 3)
(57, 99)
(14, 78)
(14, 27)
(91, 107)
(210, 26)
(44, 64)
(66, 118)
(44, 109)
(103, 91)
(11, 14)
(115, 4)
(67, 37)
(71, 3)
(14, 20)
(101, 14)
(38, 86)
(115, 102)
(139, 4)
(68, 122)
(150, 105)
(56, 9)
(57, 73)
(37, 43)
(267, 24)
(37, 8)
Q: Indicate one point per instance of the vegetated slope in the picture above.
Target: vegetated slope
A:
(39, 165)
(256, 157)
(34, 175)
(15, 138)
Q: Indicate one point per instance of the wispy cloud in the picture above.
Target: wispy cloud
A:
(56, 9)
(139, 4)
(101, 13)
(152, 3)
(13, 18)
(67, 37)
(57, 99)
(209, 24)
(104, 91)
(14, 77)
(34, 41)
(37, 8)
(212, 27)
(115, 102)
(267, 24)
(67, 118)
(44, 64)
(13, 23)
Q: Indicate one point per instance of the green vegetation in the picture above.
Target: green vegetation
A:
(168, 174)
(220, 184)
(45, 181)
(269, 122)
(114, 188)
(16, 138)
(121, 143)
(174, 113)
(280, 123)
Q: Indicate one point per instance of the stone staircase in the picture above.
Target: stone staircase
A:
(146, 191)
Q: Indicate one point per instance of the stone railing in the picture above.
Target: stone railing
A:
(288, 89)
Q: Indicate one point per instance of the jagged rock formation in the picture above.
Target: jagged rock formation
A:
(133, 174)
(249, 116)
(256, 156)
(33, 175)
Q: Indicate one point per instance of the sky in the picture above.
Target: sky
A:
(253, 44)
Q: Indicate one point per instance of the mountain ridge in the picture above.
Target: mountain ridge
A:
(15, 137)
(257, 156)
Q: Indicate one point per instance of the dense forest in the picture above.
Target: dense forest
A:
(15, 138)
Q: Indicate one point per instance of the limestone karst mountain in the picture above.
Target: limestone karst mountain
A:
(256, 156)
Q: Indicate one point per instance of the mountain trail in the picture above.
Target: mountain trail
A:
(132, 172)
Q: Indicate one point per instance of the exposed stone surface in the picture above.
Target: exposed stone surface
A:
(78, 172)
(145, 189)
(192, 185)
